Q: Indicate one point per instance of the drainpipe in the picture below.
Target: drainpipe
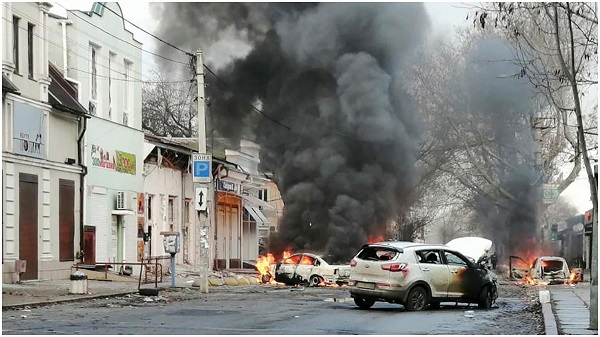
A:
(82, 189)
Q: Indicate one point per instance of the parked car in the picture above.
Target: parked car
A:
(310, 269)
(549, 269)
(418, 275)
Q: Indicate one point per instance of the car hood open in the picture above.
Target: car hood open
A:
(472, 246)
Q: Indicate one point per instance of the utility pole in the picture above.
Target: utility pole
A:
(537, 151)
(594, 266)
(206, 183)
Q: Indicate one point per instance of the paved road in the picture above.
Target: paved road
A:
(270, 311)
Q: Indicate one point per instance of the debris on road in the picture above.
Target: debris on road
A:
(469, 313)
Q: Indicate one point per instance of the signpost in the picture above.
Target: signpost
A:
(200, 199)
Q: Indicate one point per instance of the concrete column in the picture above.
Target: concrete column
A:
(10, 249)
(46, 229)
(8, 64)
(42, 43)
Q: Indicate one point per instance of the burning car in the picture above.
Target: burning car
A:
(549, 270)
(310, 269)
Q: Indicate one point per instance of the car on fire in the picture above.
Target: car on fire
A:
(549, 269)
(418, 276)
(309, 269)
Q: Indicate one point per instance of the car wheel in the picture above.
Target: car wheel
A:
(417, 299)
(315, 280)
(364, 303)
(485, 298)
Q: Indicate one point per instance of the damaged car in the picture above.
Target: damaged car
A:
(310, 269)
(419, 276)
(550, 270)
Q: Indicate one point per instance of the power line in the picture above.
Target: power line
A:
(143, 30)
(118, 38)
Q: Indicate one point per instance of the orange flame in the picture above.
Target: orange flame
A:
(374, 239)
(263, 265)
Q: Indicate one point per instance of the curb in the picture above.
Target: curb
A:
(75, 299)
(550, 326)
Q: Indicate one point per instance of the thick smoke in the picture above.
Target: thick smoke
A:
(505, 104)
(332, 74)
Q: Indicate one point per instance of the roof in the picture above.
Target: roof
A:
(62, 95)
(406, 244)
(8, 86)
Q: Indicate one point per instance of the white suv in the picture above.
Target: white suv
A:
(418, 275)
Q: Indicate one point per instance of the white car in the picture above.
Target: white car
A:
(418, 275)
(309, 269)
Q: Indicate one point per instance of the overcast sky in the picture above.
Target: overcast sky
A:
(445, 17)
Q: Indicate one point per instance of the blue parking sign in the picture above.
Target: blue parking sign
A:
(202, 167)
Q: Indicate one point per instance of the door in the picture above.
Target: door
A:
(66, 219)
(119, 238)
(434, 271)
(89, 245)
(460, 276)
(305, 267)
(28, 224)
(287, 270)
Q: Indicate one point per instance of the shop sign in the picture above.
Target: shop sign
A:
(227, 186)
(125, 162)
(29, 131)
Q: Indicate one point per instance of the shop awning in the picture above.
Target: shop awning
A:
(257, 202)
(257, 216)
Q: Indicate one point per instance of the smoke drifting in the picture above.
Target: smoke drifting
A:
(504, 105)
(332, 73)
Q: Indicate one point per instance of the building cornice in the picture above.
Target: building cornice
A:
(53, 165)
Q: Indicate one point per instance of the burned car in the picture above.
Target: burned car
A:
(550, 270)
(310, 269)
(419, 276)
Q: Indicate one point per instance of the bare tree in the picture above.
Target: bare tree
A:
(556, 46)
(168, 108)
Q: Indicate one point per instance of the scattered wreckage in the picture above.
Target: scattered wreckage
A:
(301, 269)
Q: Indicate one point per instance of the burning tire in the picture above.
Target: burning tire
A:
(417, 299)
(364, 303)
(485, 298)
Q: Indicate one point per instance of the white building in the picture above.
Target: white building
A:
(103, 60)
(42, 128)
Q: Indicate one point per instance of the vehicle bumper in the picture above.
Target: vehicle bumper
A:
(387, 293)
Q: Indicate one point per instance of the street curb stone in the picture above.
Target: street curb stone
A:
(550, 326)
(64, 300)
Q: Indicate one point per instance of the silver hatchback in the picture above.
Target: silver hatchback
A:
(418, 276)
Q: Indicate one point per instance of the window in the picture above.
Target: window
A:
(294, 259)
(93, 106)
(150, 197)
(262, 195)
(111, 59)
(429, 256)
(16, 43)
(127, 109)
(30, 28)
(455, 260)
(171, 210)
(377, 253)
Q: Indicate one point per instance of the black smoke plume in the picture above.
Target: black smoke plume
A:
(344, 144)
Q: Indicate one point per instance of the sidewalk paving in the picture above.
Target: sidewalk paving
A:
(37, 293)
(570, 305)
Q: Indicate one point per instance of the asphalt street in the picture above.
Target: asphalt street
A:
(269, 310)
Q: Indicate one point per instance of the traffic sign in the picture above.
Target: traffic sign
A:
(200, 199)
(202, 167)
(549, 193)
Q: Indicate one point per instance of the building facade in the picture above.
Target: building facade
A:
(41, 154)
(102, 59)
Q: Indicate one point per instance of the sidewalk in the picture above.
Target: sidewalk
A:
(570, 305)
(36, 293)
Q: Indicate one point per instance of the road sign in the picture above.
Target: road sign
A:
(200, 199)
(549, 193)
(202, 167)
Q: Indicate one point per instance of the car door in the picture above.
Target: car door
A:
(305, 267)
(434, 271)
(287, 269)
(462, 275)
